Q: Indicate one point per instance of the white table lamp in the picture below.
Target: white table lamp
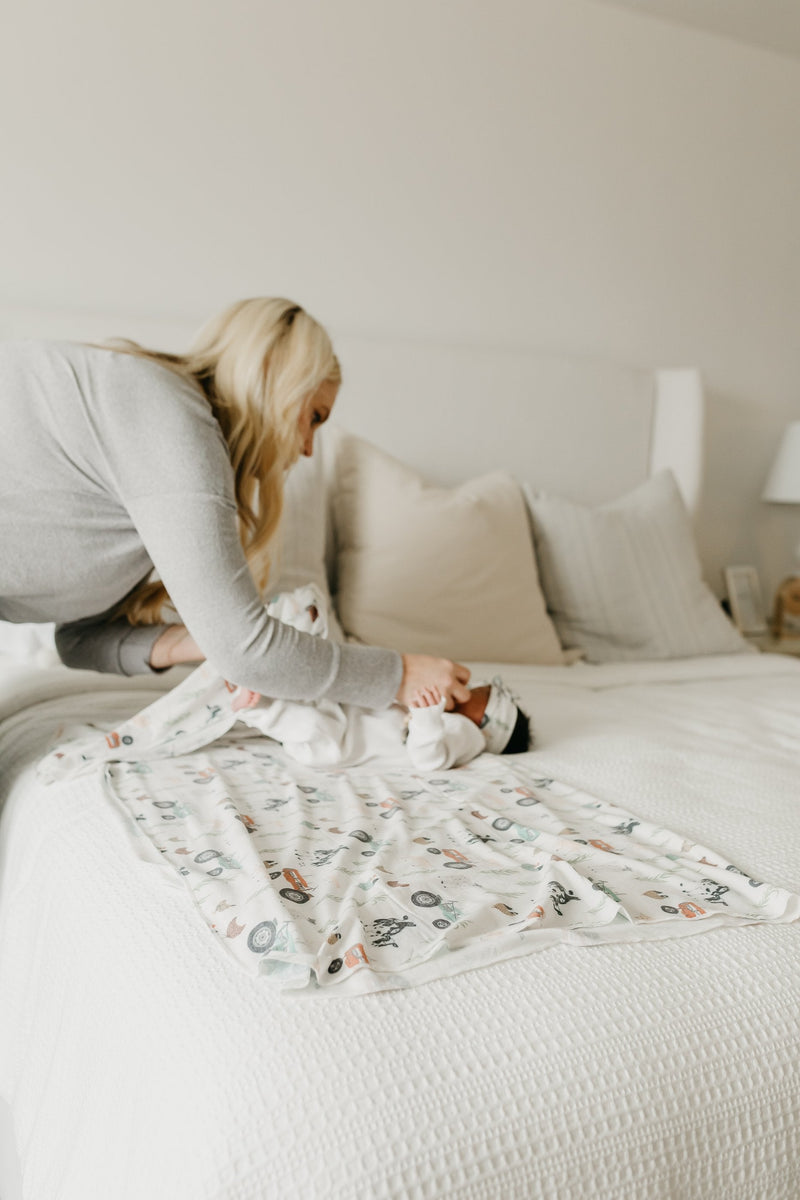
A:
(783, 484)
(783, 487)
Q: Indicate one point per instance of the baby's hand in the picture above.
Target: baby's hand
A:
(426, 697)
(244, 698)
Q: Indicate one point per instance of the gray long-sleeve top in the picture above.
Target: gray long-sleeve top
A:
(110, 465)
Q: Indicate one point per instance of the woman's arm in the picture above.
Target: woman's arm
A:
(167, 464)
(119, 648)
(98, 644)
(193, 541)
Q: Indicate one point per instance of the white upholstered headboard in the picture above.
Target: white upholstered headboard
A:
(586, 429)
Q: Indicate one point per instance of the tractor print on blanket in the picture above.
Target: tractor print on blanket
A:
(449, 910)
(222, 862)
(268, 936)
(299, 891)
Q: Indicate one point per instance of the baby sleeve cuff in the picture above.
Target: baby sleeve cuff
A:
(427, 719)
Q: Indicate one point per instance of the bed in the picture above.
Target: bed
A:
(138, 1058)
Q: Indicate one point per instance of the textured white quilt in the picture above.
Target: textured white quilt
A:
(140, 1064)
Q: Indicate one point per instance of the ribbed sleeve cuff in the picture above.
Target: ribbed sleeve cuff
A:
(134, 649)
(368, 675)
(427, 720)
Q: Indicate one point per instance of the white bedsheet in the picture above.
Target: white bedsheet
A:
(145, 1067)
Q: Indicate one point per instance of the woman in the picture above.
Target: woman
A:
(117, 461)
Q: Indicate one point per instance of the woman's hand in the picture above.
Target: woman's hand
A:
(175, 645)
(422, 671)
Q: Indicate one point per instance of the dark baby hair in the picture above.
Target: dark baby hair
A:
(521, 738)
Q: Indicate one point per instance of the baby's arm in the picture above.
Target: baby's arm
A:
(438, 740)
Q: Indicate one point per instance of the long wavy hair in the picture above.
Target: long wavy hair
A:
(257, 363)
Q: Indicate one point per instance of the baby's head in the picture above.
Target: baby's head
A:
(505, 726)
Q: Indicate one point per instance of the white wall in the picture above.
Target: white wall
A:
(523, 172)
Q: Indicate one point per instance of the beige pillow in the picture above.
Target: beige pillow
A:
(446, 571)
(623, 581)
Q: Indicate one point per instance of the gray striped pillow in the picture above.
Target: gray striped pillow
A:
(623, 581)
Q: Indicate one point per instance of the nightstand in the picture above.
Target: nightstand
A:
(768, 644)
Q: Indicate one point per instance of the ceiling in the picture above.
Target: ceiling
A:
(771, 24)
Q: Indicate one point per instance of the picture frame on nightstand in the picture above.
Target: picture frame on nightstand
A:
(745, 599)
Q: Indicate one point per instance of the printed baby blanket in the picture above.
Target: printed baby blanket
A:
(356, 881)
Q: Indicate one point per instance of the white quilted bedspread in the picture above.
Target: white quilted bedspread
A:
(141, 1064)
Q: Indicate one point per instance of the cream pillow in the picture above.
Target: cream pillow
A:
(304, 534)
(623, 581)
(445, 571)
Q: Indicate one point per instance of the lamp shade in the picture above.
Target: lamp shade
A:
(783, 485)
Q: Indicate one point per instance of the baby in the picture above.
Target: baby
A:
(318, 734)
(327, 734)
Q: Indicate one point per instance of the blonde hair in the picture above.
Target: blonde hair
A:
(257, 363)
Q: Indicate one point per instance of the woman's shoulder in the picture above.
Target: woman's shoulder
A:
(136, 386)
(129, 400)
(130, 392)
(130, 368)
(108, 367)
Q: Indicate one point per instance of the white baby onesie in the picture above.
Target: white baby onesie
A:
(317, 737)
